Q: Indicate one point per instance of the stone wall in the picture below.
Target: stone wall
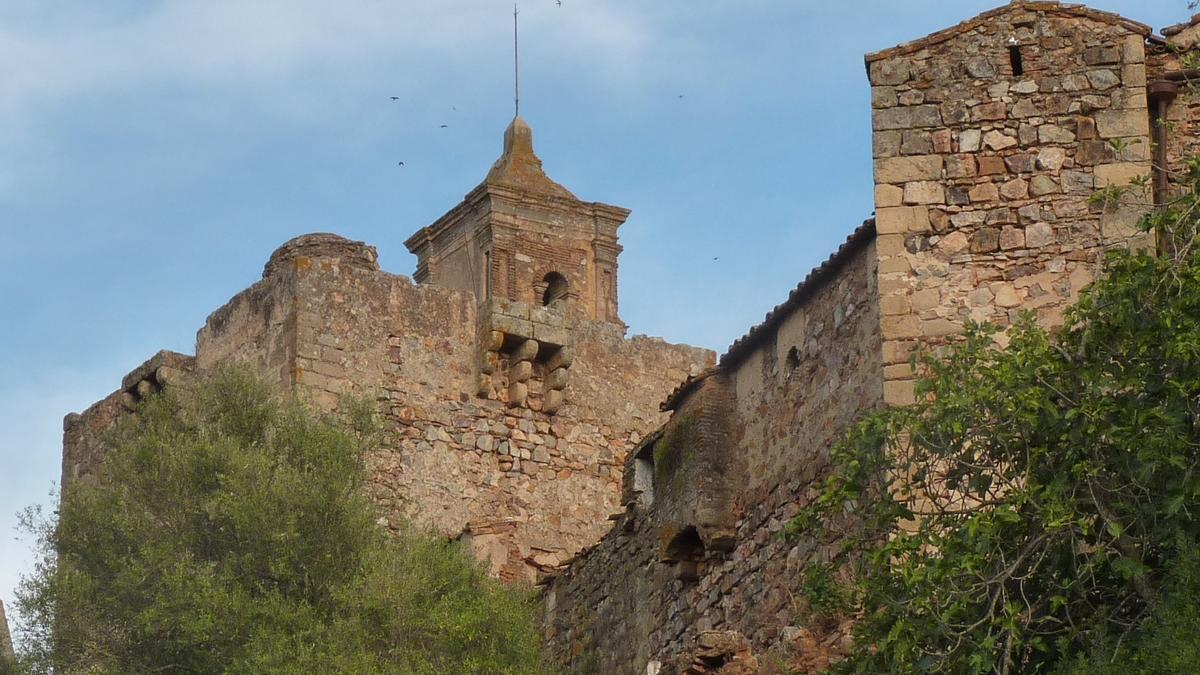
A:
(83, 433)
(793, 384)
(1174, 105)
(990, 138)
(524, 488)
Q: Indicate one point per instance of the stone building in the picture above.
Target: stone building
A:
(645, 483)
(504, 370)
(990, 139)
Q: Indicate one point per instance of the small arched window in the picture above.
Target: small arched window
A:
(556, 288)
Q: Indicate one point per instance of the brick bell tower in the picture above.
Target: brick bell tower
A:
(538, 259)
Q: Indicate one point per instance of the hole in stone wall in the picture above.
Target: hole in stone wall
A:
(793, 359)
(686, 545)
(643, 477)
(556, 288)
(1014, 58)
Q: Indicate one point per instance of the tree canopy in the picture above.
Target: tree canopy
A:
(1039, 507)
(228, 530)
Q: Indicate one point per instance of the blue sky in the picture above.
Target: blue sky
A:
(153, 154)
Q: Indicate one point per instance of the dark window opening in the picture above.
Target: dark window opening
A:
(643, 477)
(1014, 57)
(793, 359)
(686, 545)
(556, 288)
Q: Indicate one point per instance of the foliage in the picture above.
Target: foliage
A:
(1029, 508)
(228, 531)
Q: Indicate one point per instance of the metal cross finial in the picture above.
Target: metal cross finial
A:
(516, 69)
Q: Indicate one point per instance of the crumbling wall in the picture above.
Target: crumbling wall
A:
(990, 139)
(624, 604)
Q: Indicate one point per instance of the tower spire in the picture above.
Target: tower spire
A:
(516, 68)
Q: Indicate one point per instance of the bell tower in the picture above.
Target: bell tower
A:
(538, 260)
(522, 237)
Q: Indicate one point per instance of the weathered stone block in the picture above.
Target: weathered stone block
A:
(969, 140)
(907, 117)
(1016, 188)
(898, 170)
(1038, 235)
(902, 219)
(1103, 79)
(521, 371)
(984, 192)
(1050, 133)
(916, 142)
(985, 240)
(1051, 159)
(890, 71)
(899, 392)
(900, 327)
(885, 144)
(1042, 185)
(563, 357)
(888, 195)
(960, 166)
(527, 350)
(1122, 123)
(984, 112)
(555, 335)
(1011, 238)
(518, 394)
(924, 192)
(557, 379)
(1119, 174)
(991, 166)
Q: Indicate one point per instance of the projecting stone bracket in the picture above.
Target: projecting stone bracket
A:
(159, 371)
(525, 353)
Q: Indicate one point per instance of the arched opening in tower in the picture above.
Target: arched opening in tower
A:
(556, 288)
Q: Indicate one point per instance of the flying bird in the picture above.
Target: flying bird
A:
(559, 2)
(400, 164)
(395, 98)
(445, 126)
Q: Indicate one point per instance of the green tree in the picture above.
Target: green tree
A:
(228, 531)
(1034, 509)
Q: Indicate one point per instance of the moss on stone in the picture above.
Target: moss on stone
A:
(681, 434)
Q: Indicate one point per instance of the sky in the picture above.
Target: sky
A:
(153, 154)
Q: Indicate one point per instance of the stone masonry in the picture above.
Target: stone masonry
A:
(512, 416)
(991, 139)
(646, 485)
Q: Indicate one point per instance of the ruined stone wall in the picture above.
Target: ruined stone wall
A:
(629, 602)
(989, 140)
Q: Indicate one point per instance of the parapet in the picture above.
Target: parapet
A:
(300, 251)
